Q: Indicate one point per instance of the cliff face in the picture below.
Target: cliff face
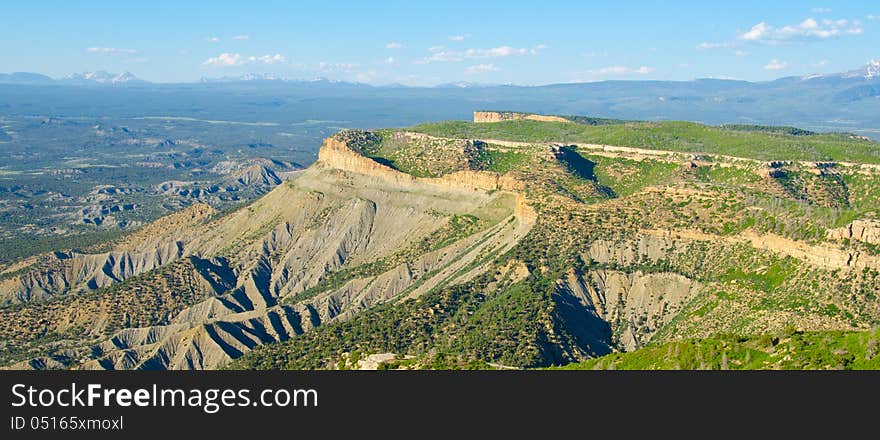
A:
(636, 303)
(513, 116)
(865, 231)
(337, 154)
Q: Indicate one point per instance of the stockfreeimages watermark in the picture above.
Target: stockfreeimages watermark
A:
(210, 401)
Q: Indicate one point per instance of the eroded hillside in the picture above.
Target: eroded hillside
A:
(196, 290)
(427, 249)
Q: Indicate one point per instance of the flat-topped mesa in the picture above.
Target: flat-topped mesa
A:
(489, 116)
(345, 151)
(339, 152)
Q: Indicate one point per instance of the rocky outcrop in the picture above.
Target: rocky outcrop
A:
(255, 175)
(337, 154)
(635, 305)
(865, 231)
(488, 116)
(77, 272)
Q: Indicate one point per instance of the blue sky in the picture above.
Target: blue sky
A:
(426, 43)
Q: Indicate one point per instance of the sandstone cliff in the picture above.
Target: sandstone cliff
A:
(489, 116)
(865, 231)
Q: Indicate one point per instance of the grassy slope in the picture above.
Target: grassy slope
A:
(674, 136)
(789, 351)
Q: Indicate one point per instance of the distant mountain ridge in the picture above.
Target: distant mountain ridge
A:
(25, 78)
(846, 101)
(102, 77)
(870, 71)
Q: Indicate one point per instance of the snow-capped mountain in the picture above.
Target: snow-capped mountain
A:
(873, 69)
(869, 71)
(245, 77)
(103, 77)
(464, 85)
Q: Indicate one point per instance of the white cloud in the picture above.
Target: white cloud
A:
(724, 77)
(614, 71)
(820, 10)
(481, 68)
(809, 29)
(623, 70)
(366, 77)
(496, 52)
(757, 32)
(441, 54)
(740, 53)
(110, 51)
(457, 37)
(236, 59)
(212, 39)
(776, 65)
(390, 60)
(821, 63)
(706, 45)
(326, 67)
(268, 59)
(224, 60)
(873, 17)
(394, 45)
(241, 37)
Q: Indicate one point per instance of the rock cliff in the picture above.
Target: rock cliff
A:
(489, 116)
(865, 231)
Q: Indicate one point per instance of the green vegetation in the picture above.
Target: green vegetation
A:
(793, 131)
(673, 136)
(788, 350)
(626, 177)
(500, 161)
(152, 298)
(18, 248)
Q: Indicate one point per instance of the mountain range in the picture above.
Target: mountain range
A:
(848, 101)
(870, 71)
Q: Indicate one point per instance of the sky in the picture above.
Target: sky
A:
(428, 43)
